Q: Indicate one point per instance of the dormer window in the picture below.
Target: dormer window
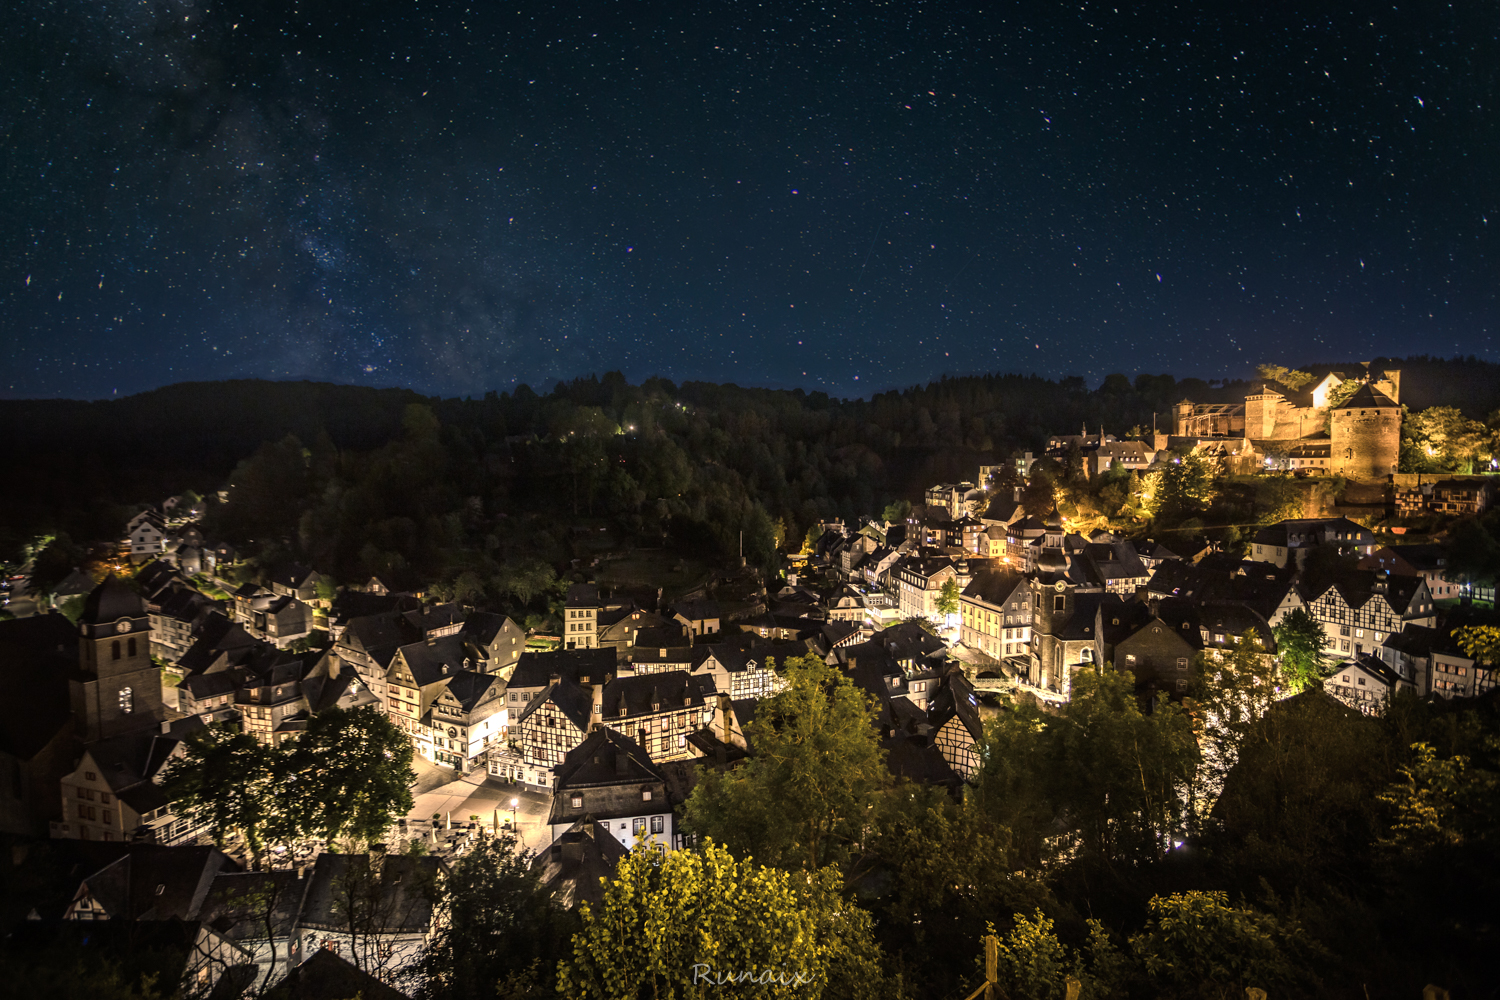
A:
(645, 795)
(576, 802)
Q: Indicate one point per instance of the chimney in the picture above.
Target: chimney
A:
(554, 678)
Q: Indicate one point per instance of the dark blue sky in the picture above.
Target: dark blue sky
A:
(841, 196)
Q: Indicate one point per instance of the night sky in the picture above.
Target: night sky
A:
(840, 196)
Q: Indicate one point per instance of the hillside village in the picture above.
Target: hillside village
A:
(584, 730)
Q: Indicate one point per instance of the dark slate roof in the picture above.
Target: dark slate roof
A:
(1414, 640)
(1368, 397)
(434, 661)
(351, 604)
(1232, 618)
(470, 686)
(534, 670)
(404, 882)
(695, 611)
(381, 635)
(1080, 622)
(238, 902)
(1375, 667)
(1428, 558)
(328, 976)
(736, 651)
(37, 656)
(150, 882)
(293, 575)
(436, 617)
(917, 758)
(994, 588)
(606, 757)
(112, 600)
(579, 862)
(956, 698)
(575, 702)
(1358, 586)
(481, 627)
(583, 595)
(648, 694)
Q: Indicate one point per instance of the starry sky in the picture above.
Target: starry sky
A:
(846, 197)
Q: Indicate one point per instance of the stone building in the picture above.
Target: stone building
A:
(1362, 433)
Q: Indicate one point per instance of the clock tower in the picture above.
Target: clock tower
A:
(117, 689)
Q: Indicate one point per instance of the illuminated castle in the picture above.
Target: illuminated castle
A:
(1359, 437)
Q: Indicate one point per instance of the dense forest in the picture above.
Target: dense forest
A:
(358, 481)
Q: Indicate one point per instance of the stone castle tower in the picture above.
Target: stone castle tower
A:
(1365, 435)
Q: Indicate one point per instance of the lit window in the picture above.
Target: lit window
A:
(127, 700)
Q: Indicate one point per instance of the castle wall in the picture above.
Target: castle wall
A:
(1366, 443)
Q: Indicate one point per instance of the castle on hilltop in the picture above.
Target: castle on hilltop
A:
(1312, 427)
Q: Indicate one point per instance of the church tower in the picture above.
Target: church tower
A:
(117, 689)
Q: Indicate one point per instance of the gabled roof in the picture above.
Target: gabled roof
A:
(150, 882)
(607, 757)
(1373, 666)
(470, 687)
(577, 865)
(956, 699)
(481, 627)
(1236, 618)
(994, 588)
(293, 575)
(436, 617)
(695, 611)
(402, 881)
(327, 975)
(1414, 640)
(436, 661)
(649, 694)
(575, 702)
(1368, 397)
(534, 670)
(583, 595)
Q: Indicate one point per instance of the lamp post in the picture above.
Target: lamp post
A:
(513, 804)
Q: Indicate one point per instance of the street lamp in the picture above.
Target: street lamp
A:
(513, 804)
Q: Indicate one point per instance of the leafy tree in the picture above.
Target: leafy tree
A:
(1473, 549)
(1233, 693)
(1198, 947)
(671, 927)
(495, 919)
(1482, 642)
(1300, 641)
(1442, 439)
(1100, 768)
(1298, 802)
(1185, 486)
(896, 512)
(945, 868)
(225, 780)
(1040, 495)
(54, 561)
(1289, 377)
(356, 766)
(815, 765)
(947, 599)
(1423, 802)
(1033, 964)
